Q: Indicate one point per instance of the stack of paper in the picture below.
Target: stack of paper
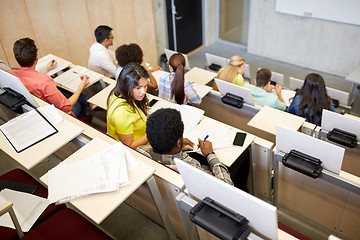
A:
(71, 78)
(61, 64)
(102, 172)
(27, 208)
(190, 116)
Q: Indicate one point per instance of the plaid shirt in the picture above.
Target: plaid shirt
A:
(165, 89)
(216, 168)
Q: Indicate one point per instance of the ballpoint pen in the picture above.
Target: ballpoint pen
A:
(206, 137)
(52, 63)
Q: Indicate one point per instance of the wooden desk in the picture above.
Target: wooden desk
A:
(98, 206)
(67, 131)
(200, 76)
(267, 119)
(99, 99)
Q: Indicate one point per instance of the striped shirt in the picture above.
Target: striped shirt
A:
(215, 168)
(165, 90)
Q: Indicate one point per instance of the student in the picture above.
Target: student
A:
(233, 73)
(311, 99)
(133, 53)
(127, 106)
(42, 85)
(102, 59)
(261, 92)
(174, 87)
(164, 130)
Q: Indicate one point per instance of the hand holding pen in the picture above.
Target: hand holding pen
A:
(205, 146)
(51, 65)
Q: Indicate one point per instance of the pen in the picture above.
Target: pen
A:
(206, 137)
(52, 62)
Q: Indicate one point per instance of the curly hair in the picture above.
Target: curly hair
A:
(163, 129)
(129, 53)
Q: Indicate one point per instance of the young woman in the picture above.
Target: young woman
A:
(127, 106)
(133, 53)
(311, 99)
(174, 87)
(233, 72)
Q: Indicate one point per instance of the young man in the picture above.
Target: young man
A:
(164, 130)
(261, 93)
(102, 59)
(40, 84)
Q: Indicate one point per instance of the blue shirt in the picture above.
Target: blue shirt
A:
(263, 98)
(294, 108)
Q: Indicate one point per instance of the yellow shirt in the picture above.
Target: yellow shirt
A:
(123, 119)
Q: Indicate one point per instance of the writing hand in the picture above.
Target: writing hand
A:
(51, 65)
(187, 145)
(206, 147)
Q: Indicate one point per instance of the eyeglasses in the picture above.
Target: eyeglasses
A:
(111, 37)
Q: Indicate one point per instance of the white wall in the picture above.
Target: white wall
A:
(325, 46)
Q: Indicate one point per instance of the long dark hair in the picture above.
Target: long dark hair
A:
(127, 80)
(314, 97)
(177, 62)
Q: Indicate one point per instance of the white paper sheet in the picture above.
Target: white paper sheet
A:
(190, 116)
(51, 114)
(219, 137)
(102, 172)
(26, 129)
(61, 64)
(27, 208)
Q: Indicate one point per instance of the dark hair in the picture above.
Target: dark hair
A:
(314, 97)
(129, 53)
(263, 76)
(25, 52)
(102, 32)
(163, 129)
(127, 80)
(177, 62)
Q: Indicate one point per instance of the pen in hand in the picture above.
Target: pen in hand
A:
(206, 137)
(52, 62)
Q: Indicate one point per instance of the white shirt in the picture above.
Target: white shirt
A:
(102, 60)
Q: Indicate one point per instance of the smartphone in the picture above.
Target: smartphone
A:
(152, 102)
(273, 83)
(239, 139)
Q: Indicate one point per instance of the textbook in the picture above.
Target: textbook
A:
(71, 78)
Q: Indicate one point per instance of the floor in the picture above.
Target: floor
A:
(127, 223)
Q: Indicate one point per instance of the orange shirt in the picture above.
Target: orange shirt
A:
(43, 87)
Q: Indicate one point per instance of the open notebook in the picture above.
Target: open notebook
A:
(71, 78)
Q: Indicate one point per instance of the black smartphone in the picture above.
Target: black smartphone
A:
(273, 83)
(152, 102)
(239, 139)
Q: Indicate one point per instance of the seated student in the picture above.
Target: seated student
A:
(311, 99)
(174, 87)
(127, 106)
(164, 130)
(233, 73)
(102, 59)
(261, 92)
(133, 53)
(42, 85)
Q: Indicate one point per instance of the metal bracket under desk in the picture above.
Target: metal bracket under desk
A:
(326, 176)
(185, 204)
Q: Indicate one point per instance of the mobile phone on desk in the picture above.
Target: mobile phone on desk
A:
(152, 102)
(239, 139)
